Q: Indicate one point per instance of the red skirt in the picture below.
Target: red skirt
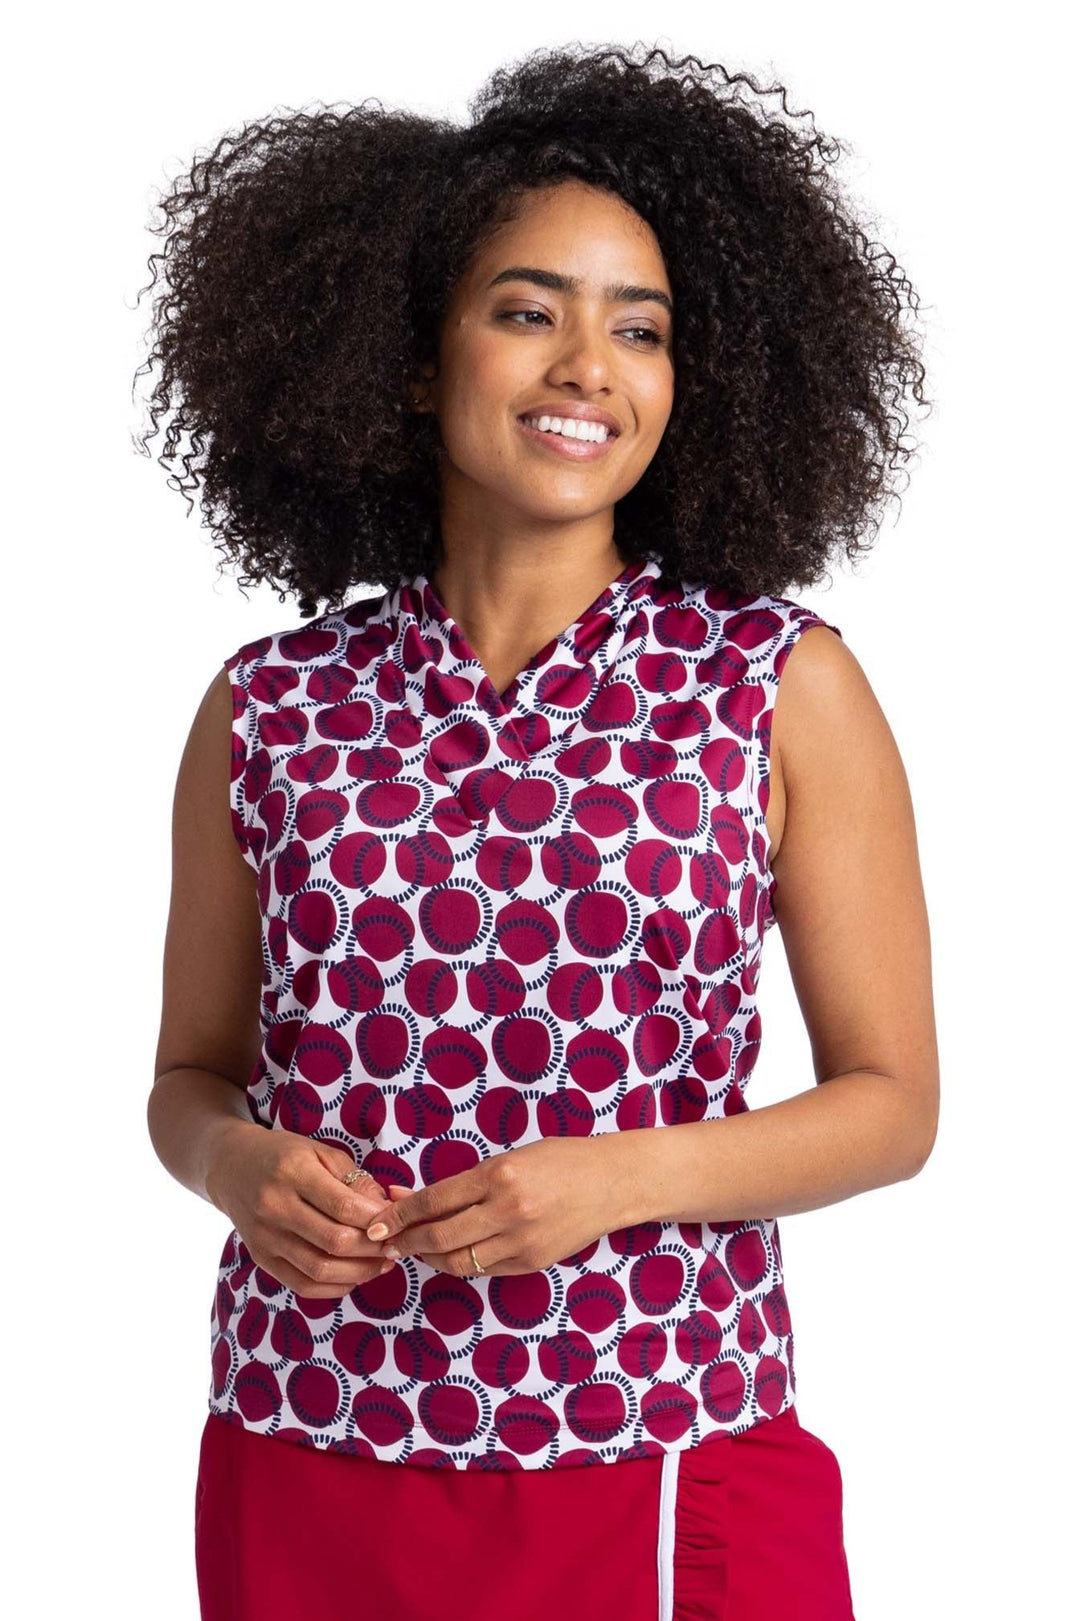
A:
(740, 1528)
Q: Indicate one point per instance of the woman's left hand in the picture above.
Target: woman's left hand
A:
(522, 1210)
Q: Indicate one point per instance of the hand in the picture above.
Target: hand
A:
(522, 1210)
(285, 1195)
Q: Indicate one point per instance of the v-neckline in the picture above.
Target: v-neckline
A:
(477, 741)
(576, 638)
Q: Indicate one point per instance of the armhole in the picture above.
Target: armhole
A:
(244, 721)
(799, 621)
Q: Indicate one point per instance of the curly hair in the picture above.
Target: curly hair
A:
(308, 264)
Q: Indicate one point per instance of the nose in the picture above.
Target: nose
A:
(584, 357)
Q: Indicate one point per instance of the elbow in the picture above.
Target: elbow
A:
(923, 1149)
(915, 1103)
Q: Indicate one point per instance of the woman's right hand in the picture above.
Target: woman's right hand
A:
(285, 1195)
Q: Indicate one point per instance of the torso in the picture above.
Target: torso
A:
(494, 912)
(502, 676)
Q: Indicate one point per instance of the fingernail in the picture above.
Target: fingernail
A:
(385, 1269)
(395, 1255)
(379, 1230)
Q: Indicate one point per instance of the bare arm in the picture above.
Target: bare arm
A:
(284, 1192)
(209, 1036)
(849, 904)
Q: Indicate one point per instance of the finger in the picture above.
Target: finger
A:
(443, 1237)
(495, 1256)
(430, 1203)
(306, 1270)
(329, 1237)
(355, 1205)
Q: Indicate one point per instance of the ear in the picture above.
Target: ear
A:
(419, 387)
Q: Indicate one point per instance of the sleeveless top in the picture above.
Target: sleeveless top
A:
(489, 919)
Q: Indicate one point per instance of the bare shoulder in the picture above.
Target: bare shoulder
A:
(827, 728)
(214, 714)
(847, 891)
(201, 804)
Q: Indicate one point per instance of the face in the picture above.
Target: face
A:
(511, 347)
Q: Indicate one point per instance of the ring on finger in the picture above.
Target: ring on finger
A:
(354, 1176)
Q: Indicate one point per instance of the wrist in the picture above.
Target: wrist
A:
(629, 1175)
(220, 1142)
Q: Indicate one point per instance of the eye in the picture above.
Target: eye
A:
(512, 315)
(651, 338)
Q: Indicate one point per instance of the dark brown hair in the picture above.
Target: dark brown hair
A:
(307, 266)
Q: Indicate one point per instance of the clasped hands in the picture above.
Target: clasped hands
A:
(522, 1210)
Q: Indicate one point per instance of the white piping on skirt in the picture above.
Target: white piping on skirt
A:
(665, 1547)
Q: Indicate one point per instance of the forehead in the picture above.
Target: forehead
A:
(580, 230)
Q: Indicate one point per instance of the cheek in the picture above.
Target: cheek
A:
(472, 442)
(474, 404)
(660, 399)
(656, 415)
(481, 375)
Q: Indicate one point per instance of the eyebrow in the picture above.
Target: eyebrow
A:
(616, 293)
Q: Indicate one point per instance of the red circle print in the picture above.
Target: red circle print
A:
(489, 920)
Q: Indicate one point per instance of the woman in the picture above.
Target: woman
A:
(479, 904)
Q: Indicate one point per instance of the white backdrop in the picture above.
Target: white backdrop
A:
(942, 1379)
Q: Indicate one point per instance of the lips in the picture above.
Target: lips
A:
(569, 448)
(569, 413)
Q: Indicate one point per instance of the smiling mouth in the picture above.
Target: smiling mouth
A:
(581, 450)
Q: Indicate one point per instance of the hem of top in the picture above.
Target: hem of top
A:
(685, 1443)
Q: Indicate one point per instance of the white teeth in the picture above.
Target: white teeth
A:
(570, 427)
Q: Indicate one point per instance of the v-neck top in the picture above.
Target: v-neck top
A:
(578, 645)
(488, 919)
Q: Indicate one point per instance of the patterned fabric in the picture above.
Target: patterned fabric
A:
(486, 920)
